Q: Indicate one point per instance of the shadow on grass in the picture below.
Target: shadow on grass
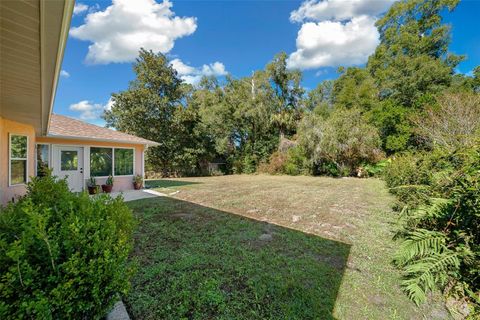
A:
(197, 262)
(164, 183)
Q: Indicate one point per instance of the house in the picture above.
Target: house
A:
(33, 35)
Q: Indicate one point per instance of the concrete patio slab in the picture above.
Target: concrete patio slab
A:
(132, 195)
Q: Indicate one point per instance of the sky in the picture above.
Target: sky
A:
(226, 37)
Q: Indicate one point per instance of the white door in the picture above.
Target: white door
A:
(68, 163)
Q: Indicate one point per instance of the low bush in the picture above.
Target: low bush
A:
(292, 162)
(410, 175)
(63, 255)
(375, 169)
(344, 140)
(441, 230)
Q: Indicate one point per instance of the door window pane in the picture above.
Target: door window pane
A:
(42, 159)
(69, 160)
(18, 171)
(123, 162)
(100, 162)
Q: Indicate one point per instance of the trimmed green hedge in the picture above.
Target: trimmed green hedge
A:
(63, 255)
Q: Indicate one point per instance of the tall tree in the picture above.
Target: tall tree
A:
(410, 65)
(288, 94)
(355, 88)
(412, 58)
(153, 107)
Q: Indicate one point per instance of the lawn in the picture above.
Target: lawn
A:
(268, 247)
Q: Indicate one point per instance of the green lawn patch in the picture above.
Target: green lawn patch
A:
(201, 263)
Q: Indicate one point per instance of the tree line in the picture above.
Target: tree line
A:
(336, 128)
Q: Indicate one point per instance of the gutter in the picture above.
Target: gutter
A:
(145, 143)
(65, 27)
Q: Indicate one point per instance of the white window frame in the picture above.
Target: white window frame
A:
(113, 161)
(113, 164)
(90, 160)
(10, 135)
(49, 157)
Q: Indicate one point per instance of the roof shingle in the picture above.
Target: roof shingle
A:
(65, 127)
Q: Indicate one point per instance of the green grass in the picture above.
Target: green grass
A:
(167, 185)
(262, 247)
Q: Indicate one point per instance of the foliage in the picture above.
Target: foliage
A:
(154, 107)
(287, 94)
(440, 230)
(319, 100)
(292, 162)
(355, 88)
(410, 65)
(63, 255)
(109, 181)
(453, 122)
(138, 179)
(393, 124)
(344, 140)
(376, 169)
(92, 182)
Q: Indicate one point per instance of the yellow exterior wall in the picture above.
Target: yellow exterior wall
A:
(7, 127)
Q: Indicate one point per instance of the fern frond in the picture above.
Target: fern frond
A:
(427, 273)
(419, 244)
(436, 208)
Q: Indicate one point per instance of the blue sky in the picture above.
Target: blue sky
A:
(219, 37)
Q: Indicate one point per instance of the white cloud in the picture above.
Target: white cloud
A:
(193, 75)
(338, 10)
(89, 110)
(79, 8)
(331, 44)
(336, 32)
(118, 32)
(64, 73)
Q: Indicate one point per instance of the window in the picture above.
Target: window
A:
(123, 162)
(18, 159)
(107, 161)
(100, 162)
(43, 156)
(68, 160)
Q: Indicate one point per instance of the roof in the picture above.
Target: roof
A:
(32, 42)
(69, 128)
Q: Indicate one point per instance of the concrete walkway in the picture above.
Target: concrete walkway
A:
(132, 195)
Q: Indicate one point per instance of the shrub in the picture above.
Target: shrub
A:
(293, 162)
(275, 165)
(441, 233)
(409, 175)
(376, 169)
(63, 255)
(344, 139)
